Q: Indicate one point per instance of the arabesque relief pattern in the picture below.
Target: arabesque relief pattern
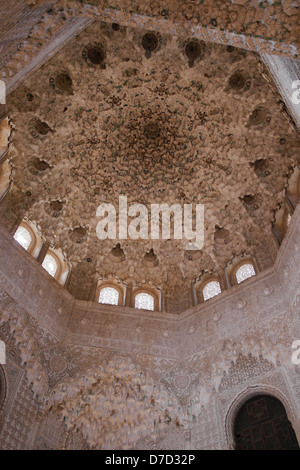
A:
(148, 401)
(163, 103)
(103, 119)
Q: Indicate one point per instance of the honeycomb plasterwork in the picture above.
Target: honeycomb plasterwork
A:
(177, 394)
(99, 396)
(158, 131)
(189, 401)
(43, 28)
(255, 24)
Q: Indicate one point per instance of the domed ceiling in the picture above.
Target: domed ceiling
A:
(121, 111)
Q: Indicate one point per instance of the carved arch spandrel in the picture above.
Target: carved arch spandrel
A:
(250, 391)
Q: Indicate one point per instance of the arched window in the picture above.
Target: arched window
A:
(244, 272)
(144, 301)
(262, 424)
(110, 292)
(23, 237)
(50, 264)
(55, 264)
(28, 237)
(211, 289)
(109, 295)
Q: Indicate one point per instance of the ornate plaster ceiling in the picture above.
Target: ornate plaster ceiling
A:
(158, 118)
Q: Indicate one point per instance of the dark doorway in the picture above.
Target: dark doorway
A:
(262, 424)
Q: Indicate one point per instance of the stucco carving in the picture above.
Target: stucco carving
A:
(145, 107)
(101, 113)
